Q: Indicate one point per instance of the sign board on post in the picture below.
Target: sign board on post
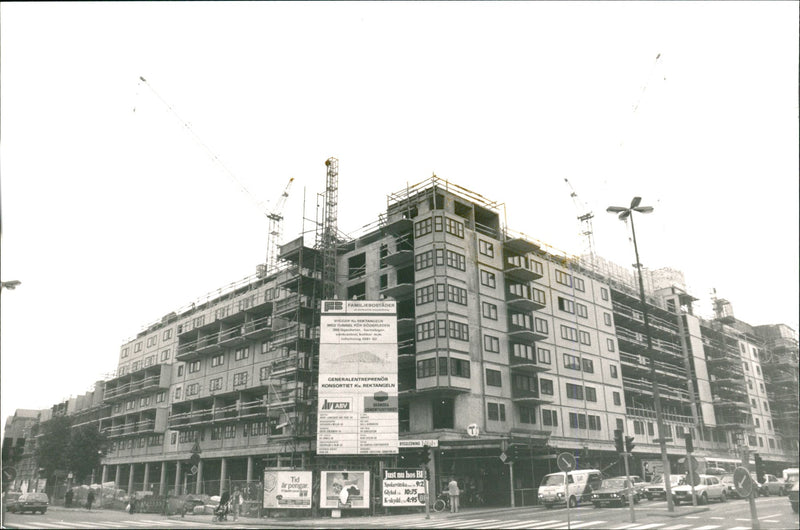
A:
(566, 462)
(742, 481)
(357, 411)
(287, 489)
(344, 489)
(403, 487)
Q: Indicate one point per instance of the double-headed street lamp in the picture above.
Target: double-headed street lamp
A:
(626, 213)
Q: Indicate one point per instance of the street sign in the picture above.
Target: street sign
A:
(742, 481)
(9, 473)
(403, 444)
(503, 457)
(194, 470)
(566, 462)
(473, 430)
(693, 478)
(196, 448)
(194, 459)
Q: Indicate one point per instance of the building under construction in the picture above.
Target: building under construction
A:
(505, 347)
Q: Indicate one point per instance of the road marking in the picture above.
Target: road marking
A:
(451, 524)
(676, 527)
(511, 525)
(740, 528)
(645, 526)
(581, 525)
(87, 525)
(707, 527)
(623, 527)
(718, 518)
(23, 526)
(478, 524)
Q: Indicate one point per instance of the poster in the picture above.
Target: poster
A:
(357, 411)
(287, 489)
(403, 487)
(344, 489)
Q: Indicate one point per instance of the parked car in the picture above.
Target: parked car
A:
(580, 484)
(793, 496)
(9, 498)
(772, 485)
(614, 491)
(30, 502)
(655, 490)
(730, 487)
(639, 485)
(709, 488)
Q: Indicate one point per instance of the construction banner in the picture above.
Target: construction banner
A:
(287, 489)
(357, 412)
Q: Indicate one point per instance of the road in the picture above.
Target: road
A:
(774, 513)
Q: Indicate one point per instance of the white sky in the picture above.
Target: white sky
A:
(112, 217)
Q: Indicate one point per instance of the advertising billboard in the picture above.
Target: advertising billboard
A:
(357, 411)
(403, 487)
(287, 489)
(344, 489)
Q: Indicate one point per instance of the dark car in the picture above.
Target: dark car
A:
(614, 491)
(30, 502)
(10, 498)
(793, 496)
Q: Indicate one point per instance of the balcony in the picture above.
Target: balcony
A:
(257, 328)
(400, 258)
(519, 244)
(137, 383)
(290, 365)
(128, 429)
(399, 227)
(520, 274)
(642, 386)
(293, 307)
(524, 395)
(525, 365)
(399, 291)
(533, 299)
(636, 412)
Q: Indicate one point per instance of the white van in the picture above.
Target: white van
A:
(580, 484)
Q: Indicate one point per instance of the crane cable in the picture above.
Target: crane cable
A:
(259, 204)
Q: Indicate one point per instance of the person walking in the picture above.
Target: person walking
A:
(236, 500)
(452, 489)
(90, 499)
(68, 498)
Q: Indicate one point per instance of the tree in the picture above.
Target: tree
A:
(86, 446)
(51, 447)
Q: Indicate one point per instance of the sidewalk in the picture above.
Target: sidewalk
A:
(326, 521)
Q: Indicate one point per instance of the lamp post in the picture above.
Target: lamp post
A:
(625, 213)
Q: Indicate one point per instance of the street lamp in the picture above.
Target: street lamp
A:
(625, 213)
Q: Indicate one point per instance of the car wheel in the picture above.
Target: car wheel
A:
(723, 497)
(573, 502)
(704, 499)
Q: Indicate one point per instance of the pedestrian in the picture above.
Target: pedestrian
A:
(236, 500)
(132, 505)
(89, 499)
(68, 498)
(454, 492)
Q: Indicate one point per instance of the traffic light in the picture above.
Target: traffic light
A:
(629, 445)
(689, 444)
(618, 441)
(759, 469)
(424, 456)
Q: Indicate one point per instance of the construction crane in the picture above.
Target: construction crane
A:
(585, 216)
(276, 228)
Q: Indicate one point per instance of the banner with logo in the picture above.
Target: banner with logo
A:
(287, 489)
(403, 487)
(357, 411)
(344, 489)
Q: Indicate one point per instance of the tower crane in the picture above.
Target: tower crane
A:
(585, 217)
(276, 228)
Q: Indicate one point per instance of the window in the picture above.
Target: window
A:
(425, 330)
(579, 285)
(457, 294)
(124, 352)
(522, 351)
(144, 401)
(572, 362)
(766, 406)
(167, 334)
(150, 341)
(746, 367)
(266, 346)
(758, 422)
(165, 355)
(161, 396)
(607, 319)
(565, 305)
(771, 443)
(540, 325)
(577, 421)
(193, 389)
(137, 347)
(527, 415)
(546, 386)
(425, 295)
(610, 345)
(454, 227)
(242, 353)
(496, 411)
(489, 310)
(130, 404)
(594, 423)
(613, 370)
(769, 424)
(583, 312)
(180, 370)
(194, 367)
(218, 360)
(485, 248)
(650, 430)
(426, 368)
(135, 366)
(521, 320)
(638, 427)
(758, 370)
(491, 344)
(588, 366)
(459, 368)
(488, 279)
(456, 260)
(563, 278)
(215, 384)
(568, 333)
(458, 330)
(760, 442)
(604, 293)
(423, 227)
(543, 355)
(438, 223)
(585, 338)
(150, 360)
(574, 391)
(442, 365)
(240, 379)
(493, 377)
(617, 398)
(423, 260)
(591, 394)
(549, 418)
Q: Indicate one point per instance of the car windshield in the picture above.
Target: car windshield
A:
(553, 480)
(614, 483)
(727, 479)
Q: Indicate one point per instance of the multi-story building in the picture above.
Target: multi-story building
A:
(19, 447)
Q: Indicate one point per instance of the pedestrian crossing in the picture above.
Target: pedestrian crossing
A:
(559, 524)
(139, 523)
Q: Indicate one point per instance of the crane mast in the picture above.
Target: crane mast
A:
(275, 231)
(585, 216)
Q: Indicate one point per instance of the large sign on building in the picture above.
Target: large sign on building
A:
(403, 487)
(357, 412)
(287, 489)
(344, 489)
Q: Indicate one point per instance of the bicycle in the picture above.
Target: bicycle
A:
(442, 502)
